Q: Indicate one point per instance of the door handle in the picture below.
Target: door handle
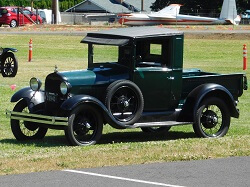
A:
(170, 78)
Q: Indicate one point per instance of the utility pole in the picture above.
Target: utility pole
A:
(142, 5)
(54, 11)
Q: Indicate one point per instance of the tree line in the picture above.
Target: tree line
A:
(41, 4)
(195, 6)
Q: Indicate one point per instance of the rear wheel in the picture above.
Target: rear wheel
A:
(24, 130)
(212, 118)
(85, 126)
(9, 65)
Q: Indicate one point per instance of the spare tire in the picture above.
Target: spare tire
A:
(124, 101)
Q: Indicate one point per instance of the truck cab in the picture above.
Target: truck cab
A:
(142, 84)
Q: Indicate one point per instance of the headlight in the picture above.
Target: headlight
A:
(1, 50)
(65, 88)
(35, 84)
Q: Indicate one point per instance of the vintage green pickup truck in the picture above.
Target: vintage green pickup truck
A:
(138, 81)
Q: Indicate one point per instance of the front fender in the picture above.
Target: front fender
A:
(31, 97)
(5, 50)
(75, 101)
(197, 95)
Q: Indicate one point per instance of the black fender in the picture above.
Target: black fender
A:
(5, 50)
(31, 97)
(197, 95)
(77, 100)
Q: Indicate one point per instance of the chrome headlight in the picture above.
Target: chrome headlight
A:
(1, 50)
(65, 87)
(35, 84)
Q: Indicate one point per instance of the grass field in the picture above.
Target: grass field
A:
(117, 147)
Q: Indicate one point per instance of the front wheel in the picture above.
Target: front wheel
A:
(9, 65)
(13, 23)
(212, 118)
(24, 130)
(85, 126)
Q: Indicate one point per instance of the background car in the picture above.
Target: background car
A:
(10, 16)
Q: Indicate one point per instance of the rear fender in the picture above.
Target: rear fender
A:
(201, 92)
(31, 97)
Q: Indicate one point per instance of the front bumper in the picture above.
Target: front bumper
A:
(37, 118)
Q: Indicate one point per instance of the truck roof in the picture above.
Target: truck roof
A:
(121, 36)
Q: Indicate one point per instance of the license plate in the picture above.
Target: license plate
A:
(51, 97)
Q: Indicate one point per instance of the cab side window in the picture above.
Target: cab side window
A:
(152, 53)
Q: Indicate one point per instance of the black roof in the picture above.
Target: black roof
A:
(122, 35)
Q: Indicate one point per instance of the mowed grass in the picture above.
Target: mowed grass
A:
(117, 147)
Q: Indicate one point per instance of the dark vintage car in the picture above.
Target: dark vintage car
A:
(141, 85)
(8, 62)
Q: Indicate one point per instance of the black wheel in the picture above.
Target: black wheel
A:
(125, 102)
(155, 129)
(85, 126)
(9, 65)
(13, 23)
(212, 118)
(24, 130)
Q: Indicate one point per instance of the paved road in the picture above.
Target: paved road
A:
(229, 172)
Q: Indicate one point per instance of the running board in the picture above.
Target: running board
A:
(158, 124)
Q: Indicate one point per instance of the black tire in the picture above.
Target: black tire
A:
(155, 129)
(85, 126)
(212, 118)
(9, 65)
(23, 130)
(13, 23)
(125, 102)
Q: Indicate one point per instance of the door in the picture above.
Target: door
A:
(155, 84)
(153, 73)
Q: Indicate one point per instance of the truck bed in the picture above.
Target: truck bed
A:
(191, 78)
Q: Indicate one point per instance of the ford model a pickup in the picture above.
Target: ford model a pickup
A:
(142, 85)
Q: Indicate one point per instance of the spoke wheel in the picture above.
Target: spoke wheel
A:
(9, 65)
(125, 102)
(85, 126)
(212, 118)
(24, 130)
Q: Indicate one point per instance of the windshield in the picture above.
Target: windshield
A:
(3, 11)
(105, 53)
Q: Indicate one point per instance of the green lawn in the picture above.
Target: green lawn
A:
(117, 147)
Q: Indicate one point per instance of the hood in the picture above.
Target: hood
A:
(94, 76)
(84, 79)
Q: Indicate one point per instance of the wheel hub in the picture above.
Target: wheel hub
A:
(123, 103)
(209, 119)
(83, 127)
